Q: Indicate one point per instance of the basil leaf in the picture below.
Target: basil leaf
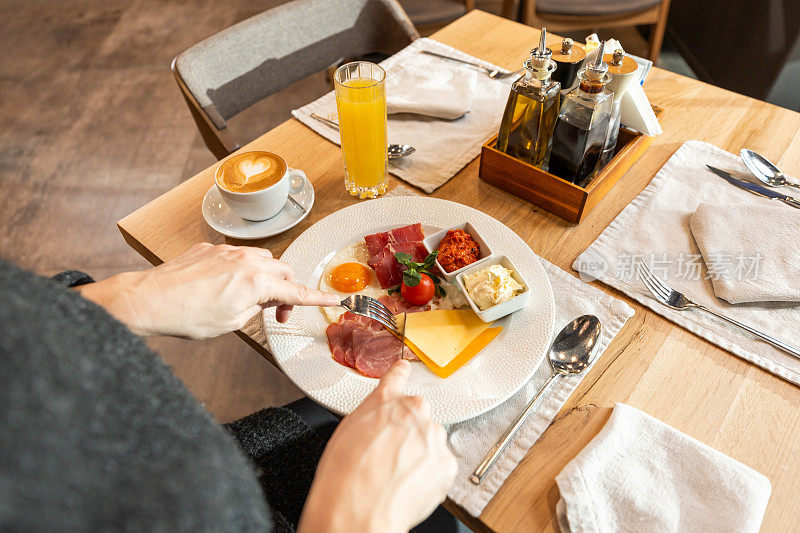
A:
(394, 289)
(440, 291)
(403, 259)
(429, 260)
(411, 278)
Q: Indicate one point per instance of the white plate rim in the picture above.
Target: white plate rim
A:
(297, 345)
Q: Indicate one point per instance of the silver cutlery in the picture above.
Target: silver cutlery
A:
(571, 353)
(491, 72)
(673, 299)
(369, 307)
(763, 169)
(297, 204)
(394, 151)
(756, 189)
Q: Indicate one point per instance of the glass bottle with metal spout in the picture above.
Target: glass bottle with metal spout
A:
(526, 131)
(580, 132)
(621, 68)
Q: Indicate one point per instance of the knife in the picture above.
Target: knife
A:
(753, 188)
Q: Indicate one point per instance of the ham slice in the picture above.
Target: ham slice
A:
(396, 304)
(364, 344)
(377, 241)
(388, 271)
(376, 351)
(410, 233)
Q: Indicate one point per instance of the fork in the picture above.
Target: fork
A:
(673, 299)
(491, 72)
(369, 307)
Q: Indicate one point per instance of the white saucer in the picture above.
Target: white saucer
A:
(225, 220)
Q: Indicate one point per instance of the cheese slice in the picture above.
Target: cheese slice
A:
(445, 340)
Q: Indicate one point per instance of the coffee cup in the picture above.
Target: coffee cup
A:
(257, 184)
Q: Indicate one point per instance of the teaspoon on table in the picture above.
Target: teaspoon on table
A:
(570, 353)
(763, 169)
(394, 151)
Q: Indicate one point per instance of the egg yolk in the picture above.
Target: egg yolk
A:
(350, 277)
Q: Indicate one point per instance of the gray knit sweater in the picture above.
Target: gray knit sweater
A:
(97, 434)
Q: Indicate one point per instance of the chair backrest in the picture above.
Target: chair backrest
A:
(237, 67)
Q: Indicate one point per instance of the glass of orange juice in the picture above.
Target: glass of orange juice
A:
(361, 103)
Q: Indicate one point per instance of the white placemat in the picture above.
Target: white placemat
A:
(655, 228)
(470, 440)
(443, 146)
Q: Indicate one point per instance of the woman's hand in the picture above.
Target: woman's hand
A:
(204, 292)
(385, 469)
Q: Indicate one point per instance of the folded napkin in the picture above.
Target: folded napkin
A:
(654, 228)
(442, 92)
(443, 146)
(766, 233)
(639, 474)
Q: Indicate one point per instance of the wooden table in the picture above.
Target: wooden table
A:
(654, 365)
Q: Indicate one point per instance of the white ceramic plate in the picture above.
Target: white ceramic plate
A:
(226, 221)
(301, 348)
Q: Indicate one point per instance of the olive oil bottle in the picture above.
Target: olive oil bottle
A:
(526, 131)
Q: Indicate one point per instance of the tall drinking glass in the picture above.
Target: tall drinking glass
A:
(361, 102)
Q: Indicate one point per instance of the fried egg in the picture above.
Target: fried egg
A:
(347, 273)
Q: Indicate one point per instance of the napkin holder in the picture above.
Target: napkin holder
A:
(552, 193)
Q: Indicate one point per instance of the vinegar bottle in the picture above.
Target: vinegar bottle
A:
(580, 132)
(526, 130)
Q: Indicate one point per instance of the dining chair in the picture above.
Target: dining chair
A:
(239, 66)
(428, 15)
(571, 15)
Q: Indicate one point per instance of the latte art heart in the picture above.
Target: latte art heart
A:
(250, 171)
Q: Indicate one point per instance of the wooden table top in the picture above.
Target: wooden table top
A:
(653, 364)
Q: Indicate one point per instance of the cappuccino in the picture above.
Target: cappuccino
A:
(250, 172)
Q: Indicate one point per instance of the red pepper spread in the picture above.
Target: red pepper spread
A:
(457, 250)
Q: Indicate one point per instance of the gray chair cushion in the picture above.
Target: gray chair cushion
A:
(592, 7)
(431, 12)
(240, 65)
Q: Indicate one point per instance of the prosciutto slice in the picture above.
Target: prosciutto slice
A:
(388, 271)
(376, 242)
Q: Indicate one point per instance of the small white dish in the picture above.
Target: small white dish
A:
(502, 309)
(431, 243)
(225, 220)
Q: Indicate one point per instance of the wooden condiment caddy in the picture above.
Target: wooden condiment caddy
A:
(552, 193)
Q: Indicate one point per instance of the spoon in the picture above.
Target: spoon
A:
(394, 150)
(763, 169)
(570, 353)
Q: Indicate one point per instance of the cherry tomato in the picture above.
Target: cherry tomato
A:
(420, 294)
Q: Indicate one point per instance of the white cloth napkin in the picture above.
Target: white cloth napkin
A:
(655, 228)
(639, 474)
(443, 146)
(769, 232)
(442, 92)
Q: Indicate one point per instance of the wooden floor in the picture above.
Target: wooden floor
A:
(93, 127)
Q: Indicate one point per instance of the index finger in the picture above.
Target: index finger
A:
(284, 292)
